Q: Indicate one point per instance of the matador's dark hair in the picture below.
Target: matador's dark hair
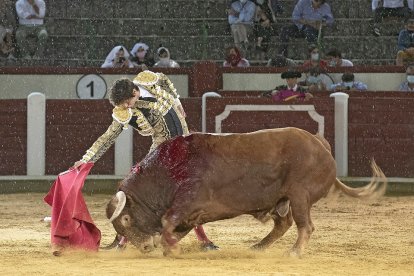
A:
(121, 90)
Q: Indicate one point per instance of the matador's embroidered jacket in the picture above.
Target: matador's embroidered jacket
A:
(158, 116)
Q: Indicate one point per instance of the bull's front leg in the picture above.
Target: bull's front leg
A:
(169, 240)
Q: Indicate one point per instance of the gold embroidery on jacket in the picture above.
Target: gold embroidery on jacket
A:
(165, 94)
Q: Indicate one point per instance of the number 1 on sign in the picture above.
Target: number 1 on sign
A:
(92, 87)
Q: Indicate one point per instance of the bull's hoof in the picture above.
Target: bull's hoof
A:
(209, 246)
(121, 247)
(257, 247)
(293, 253)
(172, 251)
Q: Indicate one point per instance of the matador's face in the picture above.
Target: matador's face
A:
(129, 103)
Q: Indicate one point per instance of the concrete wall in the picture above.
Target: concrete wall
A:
(263, 81)
(58, 86)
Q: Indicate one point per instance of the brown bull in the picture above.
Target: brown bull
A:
(192, 180)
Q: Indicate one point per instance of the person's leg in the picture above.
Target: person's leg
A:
(235, 30)
(285, 34)
(21, 41)
(311, 34)
(380, 14)
(42, 36)
(403, 12)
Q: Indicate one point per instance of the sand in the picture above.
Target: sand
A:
(351, 238)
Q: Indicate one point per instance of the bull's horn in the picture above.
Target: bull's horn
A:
(121, 204)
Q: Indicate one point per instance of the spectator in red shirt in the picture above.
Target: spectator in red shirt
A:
(234, 58)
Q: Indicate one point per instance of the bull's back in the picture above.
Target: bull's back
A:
(255, 169)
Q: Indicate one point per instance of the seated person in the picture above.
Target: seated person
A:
(309, 18)
(6, 43)
(165, 59)
(31, 15)
(349, 84)
(334, 59)
(263, 31)
(142, 56)
(291, 90)
(281, 61)
(317, 80)
(408, 85)
(118, 57)
(314, 59)
(234, 58)
(390, 8)
(405, 54)
(240, 17)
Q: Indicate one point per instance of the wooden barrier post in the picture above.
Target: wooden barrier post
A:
(36, 133)
(341, 132)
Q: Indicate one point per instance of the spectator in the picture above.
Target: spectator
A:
(405, 54)
(291, 90)
(165, 59)
(118, 57)
(276, 6)
(263, 31)
(281, 61)
(314, 60)
(309, 16)
(241, 16)
(408, 85)
(234, 58)
(31, 15)
(390, 8)
(316, 80)
(268, 7)
(6, 43)
(334, 59)
(142, 56)
(349, 84)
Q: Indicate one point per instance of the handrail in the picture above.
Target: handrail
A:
(204, 108)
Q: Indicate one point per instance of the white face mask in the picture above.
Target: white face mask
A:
(315, 56)
(410, 78)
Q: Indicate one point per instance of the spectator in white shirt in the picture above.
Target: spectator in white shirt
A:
(118, 57)
(31, 15)
(334, 59)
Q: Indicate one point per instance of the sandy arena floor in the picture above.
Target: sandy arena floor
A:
(351, 238)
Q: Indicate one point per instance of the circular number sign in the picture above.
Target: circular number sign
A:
(91, 87)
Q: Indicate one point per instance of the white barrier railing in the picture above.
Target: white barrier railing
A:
(341, 123)
(36, 133)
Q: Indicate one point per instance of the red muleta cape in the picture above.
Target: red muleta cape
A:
(72, 225)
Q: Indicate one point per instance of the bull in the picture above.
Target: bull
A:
(190, 180)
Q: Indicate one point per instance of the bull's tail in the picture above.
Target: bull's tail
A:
(374, 189)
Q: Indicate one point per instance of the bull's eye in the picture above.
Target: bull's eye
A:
(126, 220)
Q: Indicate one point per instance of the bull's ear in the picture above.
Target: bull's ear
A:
(126, 220)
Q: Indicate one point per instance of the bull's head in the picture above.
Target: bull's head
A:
(120, 212)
